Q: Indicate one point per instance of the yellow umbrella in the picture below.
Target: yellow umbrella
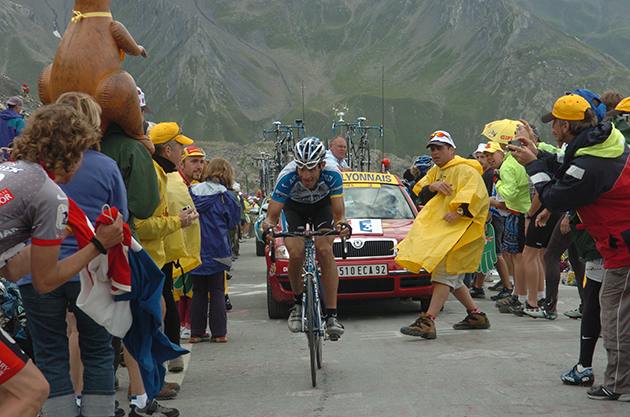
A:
(501, 131)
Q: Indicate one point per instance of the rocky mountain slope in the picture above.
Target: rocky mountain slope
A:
(225, 69)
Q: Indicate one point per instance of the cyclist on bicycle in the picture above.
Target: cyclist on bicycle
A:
(310, 191)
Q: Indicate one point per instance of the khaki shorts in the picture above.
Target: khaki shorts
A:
(439, 275)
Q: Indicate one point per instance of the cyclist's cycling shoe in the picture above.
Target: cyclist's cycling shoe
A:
(334, 328)
(295, 318)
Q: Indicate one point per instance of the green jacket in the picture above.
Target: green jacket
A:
(136, 167)
(620, 123)
(514, 185)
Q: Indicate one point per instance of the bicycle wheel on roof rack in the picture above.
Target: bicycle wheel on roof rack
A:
(364, 156)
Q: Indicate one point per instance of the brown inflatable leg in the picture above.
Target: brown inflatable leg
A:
(118, 97)
(43, 85)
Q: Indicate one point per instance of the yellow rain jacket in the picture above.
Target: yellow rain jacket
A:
(184, 244)
(431, 238)
(153, 230)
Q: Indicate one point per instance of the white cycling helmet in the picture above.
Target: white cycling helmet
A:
(309, 152)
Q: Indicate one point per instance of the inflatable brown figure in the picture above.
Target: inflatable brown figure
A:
(89, 60)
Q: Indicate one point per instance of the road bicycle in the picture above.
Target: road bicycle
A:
(358, 152)
(313, 306)
(266, 176)
(285, 141)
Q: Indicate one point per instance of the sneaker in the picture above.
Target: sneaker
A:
(176, 365)
(228, 303)
(198, 339)
(541, 313)
(153, 408)
(334, 329)
(218, 339)
(574, 377)
(503, 294)
(295, 318)
(473, 321)
(601, 393)
(509, 301)
(507, 307)
(519, 311)
(496, 287)
(184, 334)
(423, 327)
(118, 412)
(573, 314)
(166, 393)
(477, 292)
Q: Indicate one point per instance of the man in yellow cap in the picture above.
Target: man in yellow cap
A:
(169, 148)
(594, 179)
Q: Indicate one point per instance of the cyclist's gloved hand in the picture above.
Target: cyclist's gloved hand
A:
(341, 226)
(268, 233)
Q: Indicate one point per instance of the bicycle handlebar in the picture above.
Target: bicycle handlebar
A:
(308, 234)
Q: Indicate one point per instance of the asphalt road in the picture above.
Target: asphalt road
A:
(511, 369)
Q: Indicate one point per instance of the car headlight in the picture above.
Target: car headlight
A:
(282, 252)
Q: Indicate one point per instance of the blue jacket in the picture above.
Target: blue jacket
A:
(218, 212)
(11, 125)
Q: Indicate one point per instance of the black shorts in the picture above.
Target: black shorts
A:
(498, 223)
(538, 237)
(319, 214)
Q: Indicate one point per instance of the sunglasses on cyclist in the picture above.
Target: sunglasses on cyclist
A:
(309, 165)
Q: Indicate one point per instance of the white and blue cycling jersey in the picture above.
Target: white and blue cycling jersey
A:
(289, 185)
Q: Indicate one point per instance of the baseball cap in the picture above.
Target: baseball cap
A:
(165, 132)
(15, 101)
(622, 107)
(598, 106)
(492, 147)
(143, 101)
(192, 151)
(570, 107)
(480, 148)
(441, 137)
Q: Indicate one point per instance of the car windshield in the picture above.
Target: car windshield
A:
(384, 202)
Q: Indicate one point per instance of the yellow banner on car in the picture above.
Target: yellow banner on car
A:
(368, 177)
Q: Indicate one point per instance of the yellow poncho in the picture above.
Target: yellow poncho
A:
(431, 238)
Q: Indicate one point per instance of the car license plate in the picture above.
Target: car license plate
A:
(362, 270)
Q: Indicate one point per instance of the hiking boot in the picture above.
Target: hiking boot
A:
(295, 318)
(166, 394)
(477, 292)
(573, 314)
(153, 408)
(509, 301)
(503, 294)
(473, 321)
(173, 385)
(507, 308)
(601, 393)
(496, 287)
(334, 328)
(423, 327)
(575, 377)
(118, 412)
(176, 365)
(541, 313)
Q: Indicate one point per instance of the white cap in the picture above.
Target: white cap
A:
(441, 137)
(480, 148)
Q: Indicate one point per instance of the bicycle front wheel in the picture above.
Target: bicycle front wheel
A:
(365, 156)
(312, 332)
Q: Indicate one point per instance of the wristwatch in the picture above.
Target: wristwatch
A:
(527, 216)
(460, 211)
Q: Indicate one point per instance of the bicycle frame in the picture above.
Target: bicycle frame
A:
(285, 141)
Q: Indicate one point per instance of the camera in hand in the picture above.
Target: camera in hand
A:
(515, 143)
(186, 208)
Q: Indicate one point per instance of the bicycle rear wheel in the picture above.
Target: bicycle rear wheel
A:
(311, 331)
(365, 156)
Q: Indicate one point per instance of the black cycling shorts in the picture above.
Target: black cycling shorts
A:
(538, 237)
(320, 214)
(12, 359)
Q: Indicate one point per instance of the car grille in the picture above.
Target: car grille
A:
(371, 248)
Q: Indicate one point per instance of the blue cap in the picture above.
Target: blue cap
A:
(597, 104)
